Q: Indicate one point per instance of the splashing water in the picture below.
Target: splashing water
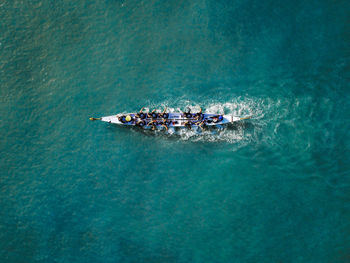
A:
(271, 119)
(241, 132)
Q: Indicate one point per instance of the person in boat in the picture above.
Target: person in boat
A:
(188, 124)
(188, 114)
(140, 123)
(202, 124)
(129, 118)
(153, 114)
(149, 114)
(164, 123)
(122, 119)
(164, 114)
(153, 123)
(218, 118)
(140, 114)
(199, 115)
(125, 119)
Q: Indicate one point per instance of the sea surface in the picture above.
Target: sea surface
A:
(275, 188)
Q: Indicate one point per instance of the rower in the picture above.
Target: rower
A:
(164, 123)
(149, 114)
(163, 114)
(188, 124)
(140, 114)
(188, 114)
(153, 123)
(153, 115)
(199, 115)
(140, 123)
(202, 124)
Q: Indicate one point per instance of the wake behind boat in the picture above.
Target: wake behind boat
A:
(153, 120)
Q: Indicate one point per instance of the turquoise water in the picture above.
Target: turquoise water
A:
(272, 189)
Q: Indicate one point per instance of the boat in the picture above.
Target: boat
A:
(154, 120)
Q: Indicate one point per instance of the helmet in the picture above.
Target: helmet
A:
(128, 118)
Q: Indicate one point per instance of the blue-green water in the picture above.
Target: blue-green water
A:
(273, 189)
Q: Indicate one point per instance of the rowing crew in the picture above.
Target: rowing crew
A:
(155, 119)
(154, 115)
(141, 122)
(166, 123)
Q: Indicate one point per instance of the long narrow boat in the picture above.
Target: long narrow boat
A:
(171, 119)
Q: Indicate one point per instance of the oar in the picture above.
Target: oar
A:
(94, 119)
